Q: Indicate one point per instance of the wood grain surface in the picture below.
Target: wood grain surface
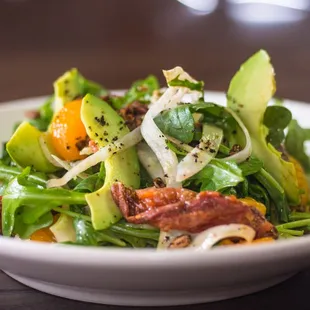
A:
(116, 42)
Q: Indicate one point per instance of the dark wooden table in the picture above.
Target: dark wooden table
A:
(116, 42)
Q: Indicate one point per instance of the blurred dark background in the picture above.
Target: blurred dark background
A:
(115, 42)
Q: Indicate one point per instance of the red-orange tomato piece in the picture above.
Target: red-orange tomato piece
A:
(43, 235)
(68, 132)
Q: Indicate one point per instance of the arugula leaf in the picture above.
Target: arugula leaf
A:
(87, 235)
(118, 235)
(186, 83)
(250, 166)
(5, 158)
(142, 90)
(216, 115)
(136, 242)
(229, 191)
(218, 175)
(24, 231)
(39, 199)
(176, 149)
(45, 115)
(124, 229)
(177, 123)
(91, 87)
(90, 184)
(295, 143)
(7, 173)
(276, 193)
(259, 193)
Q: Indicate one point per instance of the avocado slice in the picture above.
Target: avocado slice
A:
(73, 84)
(24, 148)
(249, 92)
(104, 125)
(67, 87)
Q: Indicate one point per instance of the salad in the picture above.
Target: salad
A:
(158, 167)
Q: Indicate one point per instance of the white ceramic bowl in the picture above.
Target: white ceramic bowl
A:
(146, 277)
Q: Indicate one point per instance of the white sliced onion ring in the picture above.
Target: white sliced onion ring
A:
(48, 155)
(157, 140)
(246, 152)
(205, 240)
(202, 154)
(149, 161)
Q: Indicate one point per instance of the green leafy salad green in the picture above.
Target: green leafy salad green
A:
(94, 167)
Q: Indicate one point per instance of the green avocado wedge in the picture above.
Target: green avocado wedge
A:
(67, 87)
(25, 150)
(249, 92)
(104, 125)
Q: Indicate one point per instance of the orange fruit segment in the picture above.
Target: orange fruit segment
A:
(69, 136)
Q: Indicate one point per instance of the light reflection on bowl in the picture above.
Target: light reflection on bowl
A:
(268, 11)
(201, 7)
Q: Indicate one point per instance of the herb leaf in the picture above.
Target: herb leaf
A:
(177, 123)
(37, 200)
(294, 143)
(90, 184)
(276, 119)
(218, 175)
(24, 231)
(186, 83)
(45, 115)
(251, 166)
(118, 235)
(276, 193)
(215, 115)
